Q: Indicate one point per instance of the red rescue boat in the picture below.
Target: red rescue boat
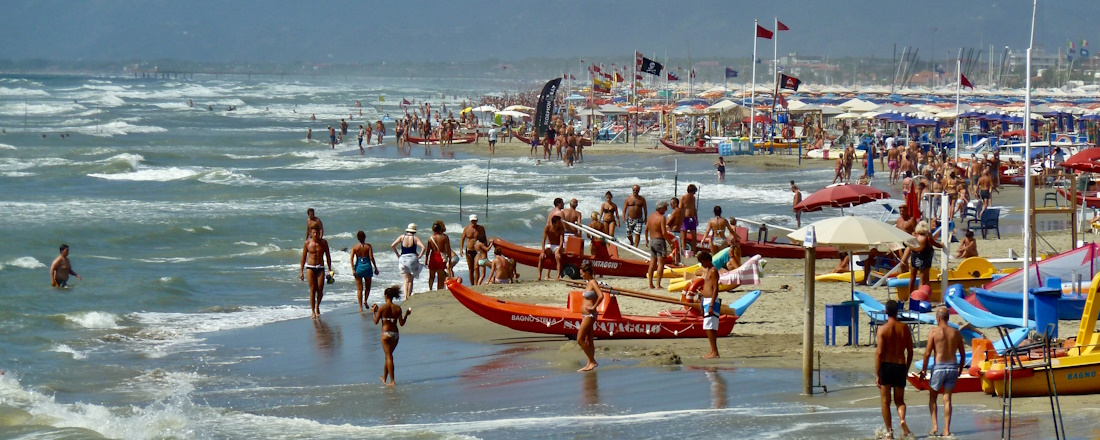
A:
(689, 149)
(605, 262)
(584, 142)
(465, 139)
(610, 324)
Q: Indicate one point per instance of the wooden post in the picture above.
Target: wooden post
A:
(808, 330)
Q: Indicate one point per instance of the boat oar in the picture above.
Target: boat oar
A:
(725, 310)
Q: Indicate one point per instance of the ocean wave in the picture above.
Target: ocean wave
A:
(117, 128)
(150, 174)
(17, 174)
(7, 147)
(94, 319)
(62, 348)
(227, 177)
(21, 91)
(247, 243)
(127, 161)
(17, 164)
(26, 263)
(38, 109)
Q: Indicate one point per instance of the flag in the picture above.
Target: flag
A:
(965, 82)
(638, 59)
(606, 76)
(1084, 53)
(730, 73)
(564, 76)
(544, 110)
(762, 32)
(789, 82)
(692, 73)
(637, 76)
(572, 77)
(381, 98)
(781, 101)
(779, 26)
(619, 78)
(1084, 43)
(595, 68)
(651, 67)
(405, 102)
(601, 86)
(672, 76)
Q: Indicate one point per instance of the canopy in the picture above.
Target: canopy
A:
(611, 110)
(1084, 261)
(519, 108)
(513, 114)
(724, 106)
(842, 195)
(485, 109)
(851, 233)
(1085, 160)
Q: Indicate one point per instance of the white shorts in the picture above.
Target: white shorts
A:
(709, 322)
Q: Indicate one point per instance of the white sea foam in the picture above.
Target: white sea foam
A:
(166, 333)
(17, 174)
(26, 263)
(246, 243)
(23, 92)
(116, 128)
(7, 147)
(38, 108)
(131, 159)
(18, 164)
(149, 174)
(62, 348)
(94, 319)
(227, 177)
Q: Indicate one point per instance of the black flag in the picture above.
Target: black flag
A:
(789, 82)
(651, 67)
(545, 109)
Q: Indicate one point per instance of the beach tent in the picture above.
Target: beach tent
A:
(611, 110)
(725, 106)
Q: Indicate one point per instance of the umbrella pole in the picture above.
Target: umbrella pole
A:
(808, 327)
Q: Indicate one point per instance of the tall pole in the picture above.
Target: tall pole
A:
(752, 99)
(1027, 167)
(808, 324)
(775, 50)
(958, 88)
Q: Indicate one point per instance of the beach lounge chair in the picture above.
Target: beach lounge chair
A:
(990, 219)
(889, 210)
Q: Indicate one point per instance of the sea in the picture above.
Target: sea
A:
(186, 224)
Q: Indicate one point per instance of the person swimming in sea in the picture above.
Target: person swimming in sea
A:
(391, 317)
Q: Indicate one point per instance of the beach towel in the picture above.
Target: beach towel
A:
(747, 274)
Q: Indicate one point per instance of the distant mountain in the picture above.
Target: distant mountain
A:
(349, 31)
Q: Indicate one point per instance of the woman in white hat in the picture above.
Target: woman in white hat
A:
(408, 257)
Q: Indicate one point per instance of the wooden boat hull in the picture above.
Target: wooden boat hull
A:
(1010, 305)
(584, 142)
(435, 141)
(571, 262)
(566, 321)
(689, 149)
(966, 383)
(1029, 382)
(787, 251)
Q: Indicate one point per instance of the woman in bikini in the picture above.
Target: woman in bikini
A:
(391, 317)
(920, 256)
(482, 262)
(610, 215)
(438, 255)
(408, 258)
(716, 230)
(593, 297)
(364, 268)
(599, 226)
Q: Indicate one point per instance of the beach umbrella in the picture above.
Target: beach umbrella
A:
(855, 234)
(1086, 160)
(841, 195)
(519, 108)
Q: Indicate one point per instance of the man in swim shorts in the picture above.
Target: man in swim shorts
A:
(315, 255)
(691, 218)
(553, 237)
(634, 211)
(985, 188)
(710, 302)
(655, 233)
(945, 342)
(893, 356)
(471, 235)
(332, 137)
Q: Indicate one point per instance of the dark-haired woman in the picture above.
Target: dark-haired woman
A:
(390, 316)
(593, 296)
(364, 268)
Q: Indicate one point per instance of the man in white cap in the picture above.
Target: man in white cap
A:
(472, 234)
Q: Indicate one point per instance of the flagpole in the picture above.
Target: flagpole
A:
(752, 98)
(775, 52)
(958, 88)
(1027, 170)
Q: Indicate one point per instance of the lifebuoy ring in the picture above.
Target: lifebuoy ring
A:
(696, 285)
(1062, 138)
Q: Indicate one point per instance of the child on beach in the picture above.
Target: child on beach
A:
(391, 317)
(482, 262)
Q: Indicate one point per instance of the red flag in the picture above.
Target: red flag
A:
(564, 76)
(637, 76)
(618, 78)
(595, 68)
(607, 76)
(405, 102)
(572, 77)
(762, 32)
(780, 100)
(672, 76)
(779, 26)
(638, 58)
(692, 72)
(965, 82)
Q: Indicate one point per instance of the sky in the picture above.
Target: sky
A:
(349, 31)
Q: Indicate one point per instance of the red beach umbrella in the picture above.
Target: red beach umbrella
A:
(840, 196)
(1087, 160)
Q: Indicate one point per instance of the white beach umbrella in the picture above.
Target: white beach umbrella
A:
(519, 108)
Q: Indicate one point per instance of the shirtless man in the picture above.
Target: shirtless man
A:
(974, 172)
(553, 237)
(332, 137)
(315, 256)
(905, 222)
(503, 268)
(570, 215)
(716, 230)
(655, 232)
(556, 211)
(379, 129)
(343, 127)
(471, 235)
(711, 305)
(985, 191)
(674, 221)
(691, 218)
(795, 202)
(62, 268)
(893, 356)
(362, 132)
(312, 221)
(634, 212)
(945, 342)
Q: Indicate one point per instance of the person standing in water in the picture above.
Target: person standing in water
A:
(944, 343)
(62, 268)
(315, 255)
(311, 221)
(332, 137)
(391, 317)
(721, 166)
(408, 258)
(364, 268)
(438, 255)
(893, 356)
(593, 296)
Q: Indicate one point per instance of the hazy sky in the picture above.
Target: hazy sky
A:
(347, 31)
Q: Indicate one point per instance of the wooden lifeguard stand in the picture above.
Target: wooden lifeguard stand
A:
(1071, 210)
